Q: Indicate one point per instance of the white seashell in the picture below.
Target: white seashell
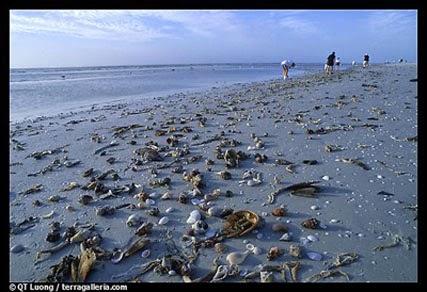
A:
(150, 202)
(153, 195)
(169, 210)
(17, 248)
(312, 238)
(171, 273)
(334, 221)
(48, 215)
(194, 216)
(146, 253)
(285, 237)
(314, 256)
(166, 196)
(236, 258)
(314, 207)
(250, 246)
(133, 220)
(257, 250)
(326, 177)
(214, 211)
(163, 220)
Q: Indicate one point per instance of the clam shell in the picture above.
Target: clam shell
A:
(237, 258)
(312, 238)
(133, 220)
(163, 220)
(194, 216)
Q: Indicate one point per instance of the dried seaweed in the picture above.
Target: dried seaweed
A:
(326, 274)
(396, 240)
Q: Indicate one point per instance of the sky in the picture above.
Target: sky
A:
(71, 38)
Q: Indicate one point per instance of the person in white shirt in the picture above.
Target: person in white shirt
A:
(285, 66)
(353, 63)
(337, 63)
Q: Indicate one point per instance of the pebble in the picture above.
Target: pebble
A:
(171, 273)
(17, 248)
(326, 177)
(245, 241)
(314, 207)
(285, 237)
(169, 210)
(163, 220)
(194, 216)
(334, 221)
(214, 211)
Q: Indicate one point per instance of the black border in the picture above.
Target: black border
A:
(209, 4)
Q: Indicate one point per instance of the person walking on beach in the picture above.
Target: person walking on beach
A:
(337, 63)
(330, 61)
(286, 65)
(366, 60)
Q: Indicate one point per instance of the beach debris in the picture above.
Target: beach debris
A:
(144, 229)
(34, 189)
(105, 211)
(183, 198)
(194, 216)
(80, 235)
(314, 256)
(354, 161)
(71, 163)
(279, 227)
(70, 186)
(314, 207)
(220, 247)
(85, 199)
(48, 215)
(231, 159)
(273, 253)
(396, 240)
(199, 227)
(237, 257)
(257, 250)
(163, 220)
(87, 173)
(54, 198)
(195, 178)
(266, 277)
(279, 212)
(111, 160)
(133, 246)
(285, 237)
(343, 259)
(225, 175)
(260, 158)
(332, 148)
(311, 223)
(282, 162)
(149, 153)
(312, 238)
(53, 236)
(252, 177)
(295, 250)
(101, 149)
(40, 154)
(17, 248)
(61, 271)
(133, 220)
(305, 189)
(16, 228)
(86, 261)
(146, 253)
(310, 162)
(164, 182)
(326, 274)
(37, 203)
(240, 223)
(215, 211)
(154, 211)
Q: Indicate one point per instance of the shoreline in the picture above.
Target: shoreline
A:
(367, 115)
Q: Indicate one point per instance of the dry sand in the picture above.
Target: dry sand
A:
(372, 113)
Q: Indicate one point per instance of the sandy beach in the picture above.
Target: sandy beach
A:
(352, 134)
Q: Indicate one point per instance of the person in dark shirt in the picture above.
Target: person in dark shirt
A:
(330, 61)
(366, 60)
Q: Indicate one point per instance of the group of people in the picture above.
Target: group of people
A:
(331, 61)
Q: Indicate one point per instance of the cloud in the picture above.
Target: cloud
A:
(298, 25)
(391, 22)
(136, 25)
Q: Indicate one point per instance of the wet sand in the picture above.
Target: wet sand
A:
(369, 115)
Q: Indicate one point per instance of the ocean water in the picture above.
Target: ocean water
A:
(48, 91)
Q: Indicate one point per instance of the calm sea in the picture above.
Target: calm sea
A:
(48, 91)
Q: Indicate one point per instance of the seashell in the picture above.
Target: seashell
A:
(53, 236)
(253, 182)
(54, 198)
(237, 258)
(285, 237)
(17, 248)
(105, 211)
(182, 198)
(326, 178)
(169, 210)
(334, 221)
(257, 250)
(214, 211)
(279, 212)
(163, 220)
(314, 207)
(196, 202)
(70, 186)
(153, 195)
(309, 162)
(130, 249)
(273, 253)
(259, 144)
(153, 212)
(85, 199)
(225, 175)
(150, 202)
(166, 196)
(295, 250)
(194, 216)
(250, 246)
(240, 223)
(87, 172)
(87, 260)
(314, 256)
(260, 158)
(146, 253)
(311, 223)
(80, 236)
(279, 227)
(199, 227)
(144, 229)
(55, 226)
(48, 215)
(226, 212)
(211, 232)
(312, 238)
(133, 220)
(266, 277)
(220, 247)
(230, 157)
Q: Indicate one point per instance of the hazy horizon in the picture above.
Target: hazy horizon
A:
(105, 38)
